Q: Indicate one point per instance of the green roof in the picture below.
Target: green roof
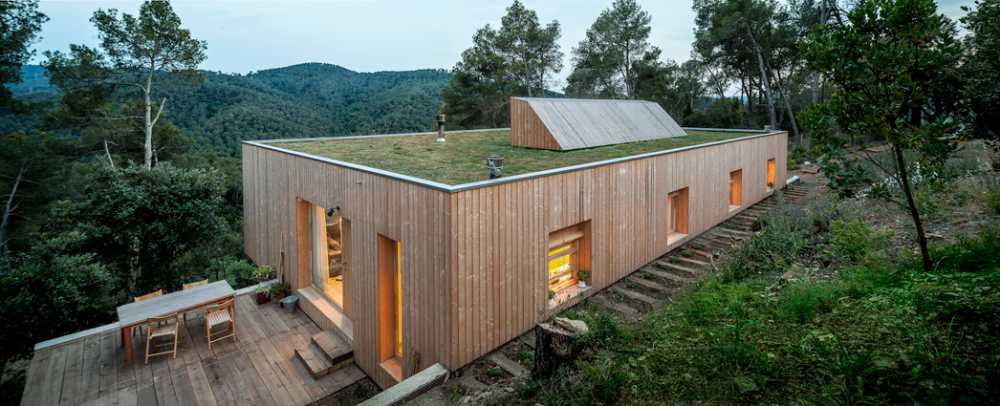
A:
(462, 159)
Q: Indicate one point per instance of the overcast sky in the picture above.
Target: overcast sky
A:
(364, 35)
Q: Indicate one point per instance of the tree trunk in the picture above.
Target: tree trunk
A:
(788, 108)
(107, 151)
(8, 210)
(765, 82)
(148, 123)
(904, 180)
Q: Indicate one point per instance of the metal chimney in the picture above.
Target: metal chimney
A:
(495, 163)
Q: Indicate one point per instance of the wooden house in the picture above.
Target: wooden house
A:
(406, 247)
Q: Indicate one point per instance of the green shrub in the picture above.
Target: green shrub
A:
(239, 273)
(993, 200)
(968, 254)
(774, 248)
(853, 240)
(802, 301)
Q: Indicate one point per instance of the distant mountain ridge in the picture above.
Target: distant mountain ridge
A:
(298, 101)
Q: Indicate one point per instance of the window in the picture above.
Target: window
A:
(563, 269)
(735, 189)
(677, 218)
(771, 173)
(390, 306)
(568, 262)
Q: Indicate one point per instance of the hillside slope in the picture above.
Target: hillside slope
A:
(305, 100)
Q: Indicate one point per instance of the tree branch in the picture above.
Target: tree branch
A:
(158, 111)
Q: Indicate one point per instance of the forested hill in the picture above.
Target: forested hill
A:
(305, 100)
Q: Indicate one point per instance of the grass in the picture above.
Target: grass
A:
(462, 159)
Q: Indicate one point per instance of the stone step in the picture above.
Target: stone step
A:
(671, 267)
(648, 284)
(314, 360)
(631, 294)
(667, 276)
(337, 352)
(621, 308)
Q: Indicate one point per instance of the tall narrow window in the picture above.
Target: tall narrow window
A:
(568, 262)
(772, 169)
(735, 189)
(390, 306)
(677, 218)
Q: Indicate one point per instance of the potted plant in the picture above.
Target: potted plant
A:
(263, 295)
(263, 274)
(280, 290)
(552, 294)
(584, 279)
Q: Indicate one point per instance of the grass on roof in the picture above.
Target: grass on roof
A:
(462, 159)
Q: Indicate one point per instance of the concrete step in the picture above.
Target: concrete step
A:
(735, 231)
(691, 261)
(681, 270)
(667, 276)
(621, 308)
(648, 284)
(507, 364)
(410, 387)
(314, 360)
(337, 352)
(698, 252)
(645, 300)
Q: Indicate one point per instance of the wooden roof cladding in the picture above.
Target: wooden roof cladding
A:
(566, 124)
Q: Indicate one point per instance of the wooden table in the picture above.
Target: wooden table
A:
(135, 314)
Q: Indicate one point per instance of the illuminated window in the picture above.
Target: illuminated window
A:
(563, 269)
(390, 306)
(735, 189)
(772, 169)
(677, 218)
(568, 263)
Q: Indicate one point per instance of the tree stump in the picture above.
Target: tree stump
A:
(554, 345)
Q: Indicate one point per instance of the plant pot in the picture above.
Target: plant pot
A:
(581, 284)
(289, 303)
(263, 297)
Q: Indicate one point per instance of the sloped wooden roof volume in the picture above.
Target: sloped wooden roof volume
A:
(565, 124)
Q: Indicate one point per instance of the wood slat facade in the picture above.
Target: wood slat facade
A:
(474, 258)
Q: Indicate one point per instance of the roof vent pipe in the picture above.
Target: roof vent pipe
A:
(495, 163)
(440, 137)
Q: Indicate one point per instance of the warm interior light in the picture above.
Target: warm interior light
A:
(771, 170)
(561, 273)
(399, 300)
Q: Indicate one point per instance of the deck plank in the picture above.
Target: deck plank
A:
(257, 369)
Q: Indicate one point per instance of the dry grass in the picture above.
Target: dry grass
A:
(463, 158)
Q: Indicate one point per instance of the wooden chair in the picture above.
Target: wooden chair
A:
(194, 284)
(219, 314)
(150, 295)
(162, 327)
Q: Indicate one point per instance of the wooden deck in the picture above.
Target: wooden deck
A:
(260, 369)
